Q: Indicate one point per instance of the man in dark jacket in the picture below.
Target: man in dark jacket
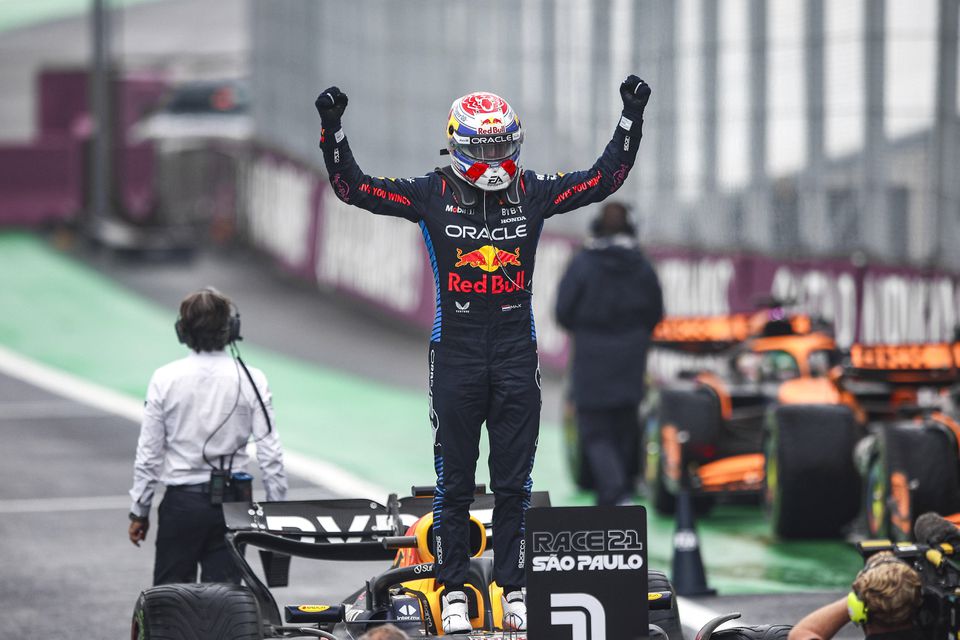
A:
(610, 300)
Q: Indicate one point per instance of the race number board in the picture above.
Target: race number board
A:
(586, 573)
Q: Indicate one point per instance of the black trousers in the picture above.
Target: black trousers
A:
(608, 438)
(501, 388)
(190, 534)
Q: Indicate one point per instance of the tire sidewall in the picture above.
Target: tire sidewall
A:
(138, 629)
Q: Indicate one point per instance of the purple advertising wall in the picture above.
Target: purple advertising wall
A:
(292, 214)
(43, 180)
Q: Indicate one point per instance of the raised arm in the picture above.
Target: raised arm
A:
(564, 192)
(384, 196)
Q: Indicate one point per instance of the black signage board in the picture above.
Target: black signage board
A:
(586, 573)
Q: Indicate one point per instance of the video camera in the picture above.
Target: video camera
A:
(933, 559)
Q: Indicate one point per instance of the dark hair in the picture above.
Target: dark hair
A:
(205, 320)
(614, 218)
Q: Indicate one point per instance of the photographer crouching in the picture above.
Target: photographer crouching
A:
(199, 413)
(884, 600)
(905, 591)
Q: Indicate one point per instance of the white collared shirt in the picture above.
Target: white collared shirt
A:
(189, 399)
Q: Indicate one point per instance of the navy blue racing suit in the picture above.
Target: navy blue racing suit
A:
(483, 364)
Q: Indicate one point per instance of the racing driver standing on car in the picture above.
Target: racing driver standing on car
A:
(481, 218)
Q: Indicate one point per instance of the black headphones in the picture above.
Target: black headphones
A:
(596, 224)
(233, 322)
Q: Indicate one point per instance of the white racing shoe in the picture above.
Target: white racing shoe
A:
(514, 611)
(455, 613)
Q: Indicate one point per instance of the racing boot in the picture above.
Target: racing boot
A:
(455, 613)
(514, 611)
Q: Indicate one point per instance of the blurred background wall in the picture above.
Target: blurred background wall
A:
(806, 149)
(795, 127)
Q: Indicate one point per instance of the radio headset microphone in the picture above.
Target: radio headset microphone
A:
(933, 529)
(496, 254)
(235, 337)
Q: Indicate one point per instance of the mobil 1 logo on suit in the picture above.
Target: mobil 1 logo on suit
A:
(586, 573)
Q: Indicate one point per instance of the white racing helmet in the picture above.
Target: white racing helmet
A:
(484, 137)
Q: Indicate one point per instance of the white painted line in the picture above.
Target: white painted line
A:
(59, 505)
(112, 503)
(69, 386)
(332, 477)
(45, 410)
(325, 474)
(693, 616)
(107, 503)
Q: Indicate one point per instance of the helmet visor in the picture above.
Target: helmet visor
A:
(492, 151)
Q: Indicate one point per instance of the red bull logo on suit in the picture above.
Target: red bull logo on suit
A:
(487, 258)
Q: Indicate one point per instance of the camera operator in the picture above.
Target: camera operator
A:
(199, 413)
(885, 600)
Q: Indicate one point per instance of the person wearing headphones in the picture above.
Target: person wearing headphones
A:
(610, 300)
(199, 414)
(885, 600)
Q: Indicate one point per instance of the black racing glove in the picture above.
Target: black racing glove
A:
(330, 105)
(635, 93)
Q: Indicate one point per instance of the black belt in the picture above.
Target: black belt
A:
(203, 487)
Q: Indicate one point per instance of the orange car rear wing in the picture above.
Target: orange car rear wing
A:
(710, 334)
(703, 334)
(927, 364)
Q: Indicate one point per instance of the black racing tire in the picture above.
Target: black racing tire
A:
(812, 485)
(659, 487)
(652, 471)
(695, 411)
(205, 611)
(756, 632)
(669, 619)
(914, 469)
(876, 494)
(576, 461)
(931, 462)
(664, 502)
